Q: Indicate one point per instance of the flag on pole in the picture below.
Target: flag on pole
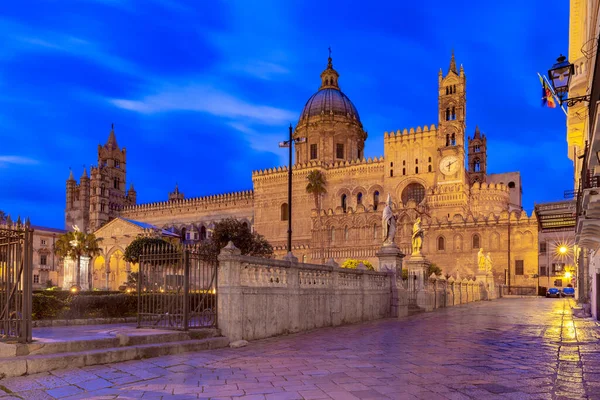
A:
(547, 97)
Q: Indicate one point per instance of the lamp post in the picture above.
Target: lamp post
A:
(288, 144)
(560, 77)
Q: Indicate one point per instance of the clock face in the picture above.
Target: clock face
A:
(449, 165)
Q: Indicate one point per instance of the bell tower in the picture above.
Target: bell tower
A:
(477, 153)
(452, 103)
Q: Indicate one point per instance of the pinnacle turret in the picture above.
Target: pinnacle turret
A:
(452, 64)
(71, 177)
(111, 144)
(329, 77)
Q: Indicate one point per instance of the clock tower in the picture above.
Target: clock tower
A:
(452, 102)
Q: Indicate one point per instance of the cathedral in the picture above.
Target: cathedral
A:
(436, 172)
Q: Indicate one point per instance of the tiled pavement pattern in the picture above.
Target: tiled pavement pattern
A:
(507, 349)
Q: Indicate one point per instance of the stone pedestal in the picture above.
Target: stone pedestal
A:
(488, 282)
(418, 281)
(390, 260)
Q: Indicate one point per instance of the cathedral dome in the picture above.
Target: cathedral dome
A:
(329, 101)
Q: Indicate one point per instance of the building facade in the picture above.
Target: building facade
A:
(583, 136)
(46, 265)
(437, 172)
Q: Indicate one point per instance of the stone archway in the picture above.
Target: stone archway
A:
(98, 272)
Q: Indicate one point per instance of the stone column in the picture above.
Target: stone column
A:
(417, 267)
(230, 293)
(107, 271)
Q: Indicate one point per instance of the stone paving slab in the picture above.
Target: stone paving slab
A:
(522, 348)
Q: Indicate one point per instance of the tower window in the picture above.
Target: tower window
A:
(477, 148)
(102, 207)
(392, 164)
(375, 200)
(391, 173)
(339, 150)
(429, 168)
(511, 185)
(416, 170)
(117, 164)
(477, 165)
(284, 212)
(116, 183)
(453, 140)
(403, 171)
(344, 202)
(453, 113)
(332, 237)
(359, 198)
(476, 241)
(403, 162)
(429, 159)
(447, 114)
(313, 151)
(374, 231)
(346, 233)
(441, 243)
(416, 160)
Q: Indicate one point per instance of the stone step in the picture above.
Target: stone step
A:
(32, 364)
(124, 337)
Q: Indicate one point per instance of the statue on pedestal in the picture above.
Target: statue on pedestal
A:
(388, 222)
(481, 261)
(488, 263)
(417, 237)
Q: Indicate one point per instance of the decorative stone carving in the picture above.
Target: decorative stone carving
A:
(417, 238)
(388, 222)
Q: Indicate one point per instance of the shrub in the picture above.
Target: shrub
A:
(103, 306)
(353, 264)
(434, 269)
(137, 246)
(46, 307)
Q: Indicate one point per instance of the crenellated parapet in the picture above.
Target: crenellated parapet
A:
(215, 201)
(409, 133)
(360, 166)
(516, 218)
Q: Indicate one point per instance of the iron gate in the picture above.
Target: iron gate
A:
(16, 259)
(177, 288)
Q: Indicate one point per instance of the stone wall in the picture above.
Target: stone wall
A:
(260, 298)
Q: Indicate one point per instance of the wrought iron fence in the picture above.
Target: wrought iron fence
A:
(177, 288)
(16, 259)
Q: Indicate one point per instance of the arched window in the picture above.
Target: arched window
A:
(416, 161)
(453, 140)
(284, 212)
(203, 233)
(414, 191)
(476, 241)
(429, 168)
(477, 165)
(374, 231)
(453, 88)
(375, 200)
(429, 159)
(332, 236)
(447, 114)
(116, 183)
(344, 202)
(403, 171)
(102, 190)
(453, 113)
(477, 148)
(346, 233)
(416, 170)
(447, 139)
(447, 90)
(391, 173)
(511, 185)
(359, 198)
(184, 235)
(441, 243)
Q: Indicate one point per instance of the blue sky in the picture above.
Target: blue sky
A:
(201, 92)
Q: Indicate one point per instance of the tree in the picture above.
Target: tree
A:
(250, 243)
(3, 217)
(316, 186)
(75, 245)
(434, 269)
(136, 247)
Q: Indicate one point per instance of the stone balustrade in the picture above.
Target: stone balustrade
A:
(260, 298)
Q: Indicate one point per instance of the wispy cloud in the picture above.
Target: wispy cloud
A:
(204, 98)
(259, 69)
(5, 161)
(262, 141)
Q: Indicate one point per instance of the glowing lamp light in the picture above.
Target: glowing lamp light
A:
(563, 249)
(74, 289)
(567, 275)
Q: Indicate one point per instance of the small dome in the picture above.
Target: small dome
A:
(328, 101)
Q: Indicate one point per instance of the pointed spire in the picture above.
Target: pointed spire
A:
(111, 144)
(131, 189)
(452, 63)
(71, 177)
(85, 174)
(477, 133)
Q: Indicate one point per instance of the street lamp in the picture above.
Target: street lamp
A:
(288, 144)
(560, 77)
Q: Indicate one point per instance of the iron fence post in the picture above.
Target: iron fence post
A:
(186, 288)
(28, 271)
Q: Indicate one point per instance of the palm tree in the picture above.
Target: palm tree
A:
(316, 186)
(75, 245)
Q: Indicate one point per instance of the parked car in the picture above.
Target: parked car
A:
(553, 292)
(568, 291)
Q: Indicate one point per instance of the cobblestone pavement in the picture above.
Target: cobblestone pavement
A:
(521, 348)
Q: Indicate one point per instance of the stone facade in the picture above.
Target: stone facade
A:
(430, 171)
(46, 265)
